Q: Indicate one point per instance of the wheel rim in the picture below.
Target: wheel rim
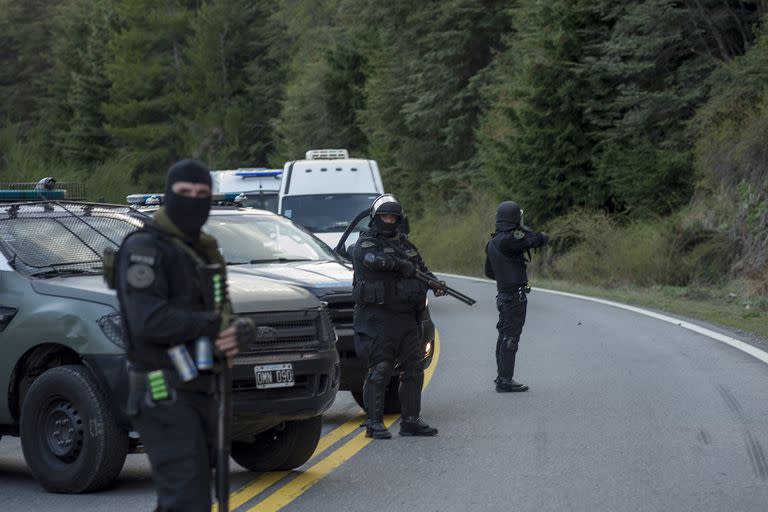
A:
(62, 429)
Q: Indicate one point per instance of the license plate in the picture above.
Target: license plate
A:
(274, 376)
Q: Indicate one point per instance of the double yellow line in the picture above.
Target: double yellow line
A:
(296, 487)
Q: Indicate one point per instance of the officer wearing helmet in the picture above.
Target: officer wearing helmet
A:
(507, 255)
(388, 303)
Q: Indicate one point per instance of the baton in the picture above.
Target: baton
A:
(224, 385)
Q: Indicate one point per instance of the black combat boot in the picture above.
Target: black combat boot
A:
(377, 430)
(509, 385)
(411, 426)
(374, 402)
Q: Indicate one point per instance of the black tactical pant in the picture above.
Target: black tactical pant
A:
(512, 307)
(178, 437)
(383, 338)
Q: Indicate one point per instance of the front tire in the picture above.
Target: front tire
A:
(69, 436)
(281, 448)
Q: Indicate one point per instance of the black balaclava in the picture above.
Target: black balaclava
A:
(509, 216)
(386, 204)
(187, 213)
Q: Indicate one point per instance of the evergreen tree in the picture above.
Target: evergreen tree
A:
(325, 78)
(232, 82)
(145, 69)
(422, 95)
(74, 123)
(25, 59)
(650, 77)
(536, 139)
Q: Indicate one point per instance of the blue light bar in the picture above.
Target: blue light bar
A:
(157, 199)
(259, 174)
(145, 199)
(229, 197)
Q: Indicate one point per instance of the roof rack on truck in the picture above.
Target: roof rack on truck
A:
(47, 189)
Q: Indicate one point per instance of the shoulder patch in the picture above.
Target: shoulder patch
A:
(142, 254)
(140, 275)
(367, 244)
(519, 234)
(411, 253)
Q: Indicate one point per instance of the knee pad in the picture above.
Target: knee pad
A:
(510, 344)
(412, 371)
(380, 373)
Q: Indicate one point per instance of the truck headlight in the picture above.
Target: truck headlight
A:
(112, 327)
(428, 348)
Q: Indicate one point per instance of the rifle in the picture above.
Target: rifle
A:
(433, 283)
(224, 385)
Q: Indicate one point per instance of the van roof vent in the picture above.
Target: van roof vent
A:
(327, 154)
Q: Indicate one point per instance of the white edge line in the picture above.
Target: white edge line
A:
(740, 345)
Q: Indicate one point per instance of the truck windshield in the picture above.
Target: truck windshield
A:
(261, 200)
(63, 239)
(326, 213)
(245, 239)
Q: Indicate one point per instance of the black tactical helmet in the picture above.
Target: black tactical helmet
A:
(386, 204)
(509, 216)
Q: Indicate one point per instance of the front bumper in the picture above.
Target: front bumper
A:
(316, 377)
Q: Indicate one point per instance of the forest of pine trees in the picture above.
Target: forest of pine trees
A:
(636, 109)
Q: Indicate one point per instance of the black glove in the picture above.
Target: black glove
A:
(246, 332)
(406, 268)
(544, 238)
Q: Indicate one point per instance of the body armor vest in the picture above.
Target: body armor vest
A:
(387, 288)
(508, 270)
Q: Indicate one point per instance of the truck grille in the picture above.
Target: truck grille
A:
(290, 330)
(341, 307)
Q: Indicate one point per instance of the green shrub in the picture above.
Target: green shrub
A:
(110, 181)
(592, 248)
(455, 241)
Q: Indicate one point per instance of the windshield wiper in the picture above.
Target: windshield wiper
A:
(278, 260)
(63, 272)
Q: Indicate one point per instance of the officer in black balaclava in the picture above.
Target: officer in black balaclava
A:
(507, 254)
(171, 283)
(389, 303)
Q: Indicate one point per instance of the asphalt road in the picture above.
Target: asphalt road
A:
(625, 413)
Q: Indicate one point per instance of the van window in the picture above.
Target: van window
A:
(326, 213)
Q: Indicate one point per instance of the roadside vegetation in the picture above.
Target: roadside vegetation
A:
(632, 131)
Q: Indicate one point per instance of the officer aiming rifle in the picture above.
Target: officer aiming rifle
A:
(433, 284)
(507, 256)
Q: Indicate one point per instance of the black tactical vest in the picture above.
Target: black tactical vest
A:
(390, 288)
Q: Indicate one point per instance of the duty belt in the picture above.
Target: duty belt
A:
(203, 383)
(521, 288)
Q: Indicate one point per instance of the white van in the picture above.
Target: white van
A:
(327, 189)
(260, 187)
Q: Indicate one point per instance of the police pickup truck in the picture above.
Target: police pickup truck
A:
(62, 362)
(263, 244)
